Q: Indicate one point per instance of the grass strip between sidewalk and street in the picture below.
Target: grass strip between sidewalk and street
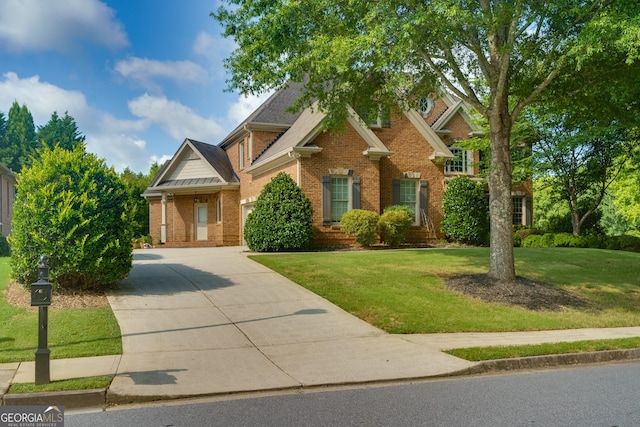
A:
(477, 354)
(63, 385)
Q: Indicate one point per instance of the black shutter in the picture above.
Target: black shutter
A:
(326, 200)
(424, 200)
(395, 192)
(355, 192)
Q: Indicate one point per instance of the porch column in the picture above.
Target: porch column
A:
(163, 224)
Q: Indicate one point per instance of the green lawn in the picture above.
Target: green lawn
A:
(401, 291)
(72, 333)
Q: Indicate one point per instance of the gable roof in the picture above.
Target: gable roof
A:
(296, 140)
(196, 166)
(272, 114)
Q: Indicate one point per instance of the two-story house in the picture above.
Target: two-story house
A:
(202, 196)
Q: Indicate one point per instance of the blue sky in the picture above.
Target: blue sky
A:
(139, 76)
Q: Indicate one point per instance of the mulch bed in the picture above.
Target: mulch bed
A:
(523, 292)
(62, 299)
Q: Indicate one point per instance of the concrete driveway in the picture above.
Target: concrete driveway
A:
(209, 320)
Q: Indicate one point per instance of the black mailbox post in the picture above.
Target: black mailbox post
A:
(41, 292)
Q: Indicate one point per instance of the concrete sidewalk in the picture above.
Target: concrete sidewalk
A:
(199, 322)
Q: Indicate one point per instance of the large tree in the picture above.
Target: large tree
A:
(497, 55)
(583, 157)
(60, 131)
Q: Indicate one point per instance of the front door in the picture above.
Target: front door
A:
(201, 221)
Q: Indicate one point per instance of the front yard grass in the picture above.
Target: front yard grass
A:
(402, 291)
(72, 333)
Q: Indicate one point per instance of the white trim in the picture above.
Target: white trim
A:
(440, 149)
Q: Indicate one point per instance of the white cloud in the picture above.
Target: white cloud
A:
(41, 98)
(58, 25)
(215, 50)
(176, 119)
(143, 71)
(115, 140)
(240, 110)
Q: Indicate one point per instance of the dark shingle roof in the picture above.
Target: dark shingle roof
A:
(217, 158)
(273, 110)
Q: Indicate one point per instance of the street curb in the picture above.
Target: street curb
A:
(100, 398)
(76, 399)
(549, 361)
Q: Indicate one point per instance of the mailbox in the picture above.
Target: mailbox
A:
(41, 293)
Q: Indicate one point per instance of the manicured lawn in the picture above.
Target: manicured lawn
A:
(402, 291)
(72, 333)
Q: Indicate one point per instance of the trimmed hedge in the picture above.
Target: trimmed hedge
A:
(362, 224)
(566, 240)
(282, 219)
(466, 211)
(394, 224)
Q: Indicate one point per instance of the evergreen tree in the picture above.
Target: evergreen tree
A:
(60, 131)
(19, 140)
(281, 219)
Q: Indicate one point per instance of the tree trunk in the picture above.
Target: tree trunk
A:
(502, 265)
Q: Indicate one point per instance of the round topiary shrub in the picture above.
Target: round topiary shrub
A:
(362, 224)
(466, 211)
(394, 224)
(71, 207)
(281, 219)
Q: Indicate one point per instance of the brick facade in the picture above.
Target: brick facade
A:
(412, 158)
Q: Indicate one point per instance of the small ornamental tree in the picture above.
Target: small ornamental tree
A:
(466, 211)
(281, 219)
(71, 207)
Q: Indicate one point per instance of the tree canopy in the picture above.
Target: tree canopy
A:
(19, 138)
(60, 131)
(498, 56)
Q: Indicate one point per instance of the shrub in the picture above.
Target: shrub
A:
(568, 240)
(628, 242)
(517, 240)
(362, 224)
(5, 249)
(71, 207)
(466, 211)
(394, 224)
(524, 231)
(538, 241)
(281, 219)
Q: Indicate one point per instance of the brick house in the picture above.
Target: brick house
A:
(7, 196)
(202, 196)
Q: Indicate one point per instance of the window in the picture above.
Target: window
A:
(522, 210)
(339, 197)
(340, 193)
(376, 118)
(462, 163)
(408, 196)
(426, 106)
(411, 193)
(518, 212)
(219, 210)
(241, 154)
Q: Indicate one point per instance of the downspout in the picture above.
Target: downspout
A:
(163, 223)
